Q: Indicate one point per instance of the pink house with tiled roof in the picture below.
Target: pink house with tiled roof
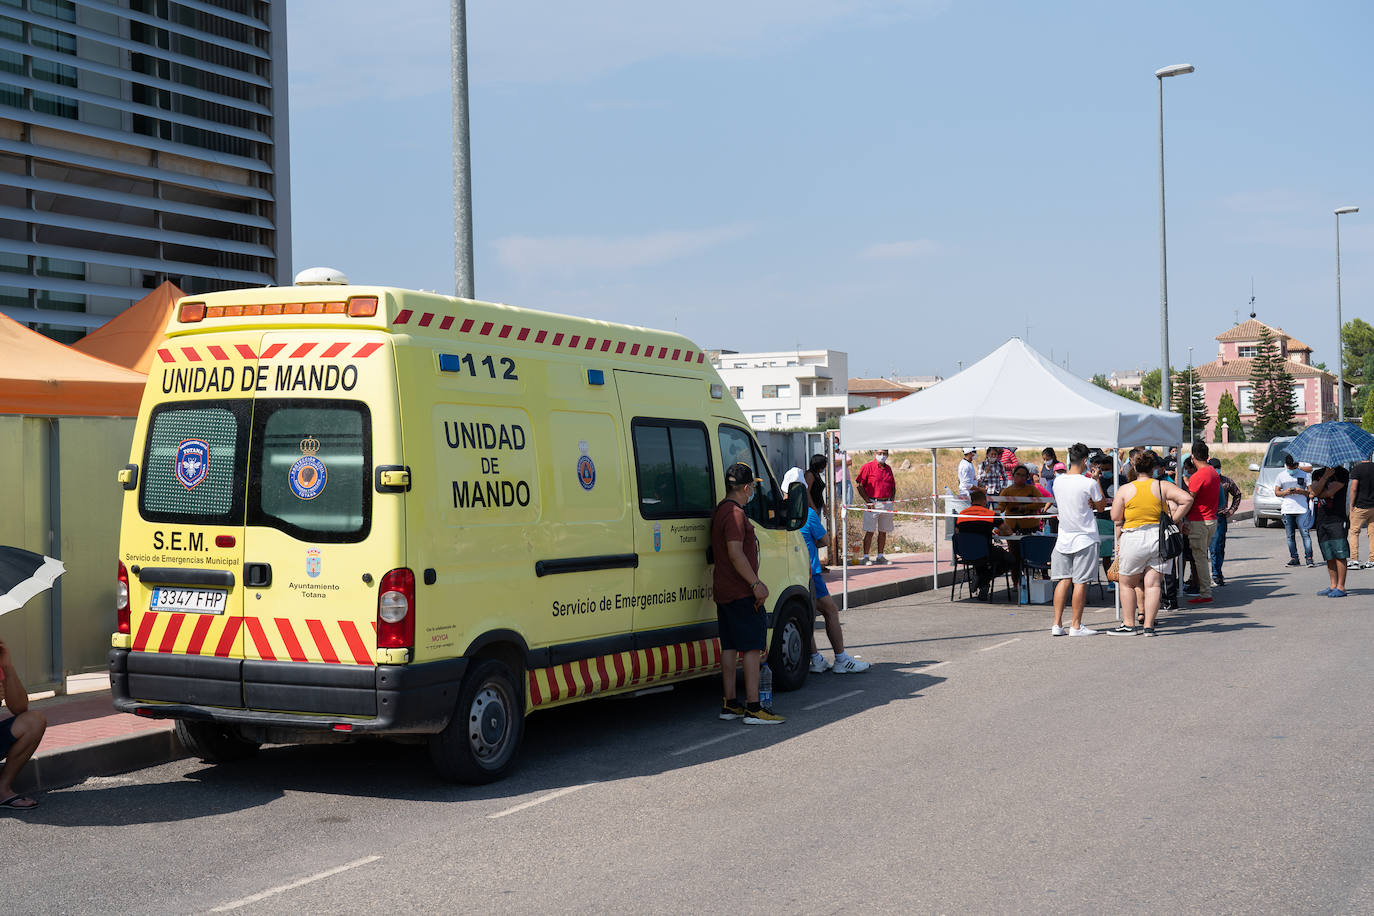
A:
(1314, 389)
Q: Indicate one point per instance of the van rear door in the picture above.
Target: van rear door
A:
(320, 535)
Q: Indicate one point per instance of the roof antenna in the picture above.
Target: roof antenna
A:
(1252, 297)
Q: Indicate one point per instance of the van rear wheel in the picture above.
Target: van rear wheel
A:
(480, 742)
(790, 657)
(1261, 522)
(213, 742)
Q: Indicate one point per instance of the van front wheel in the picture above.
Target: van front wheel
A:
(790, 657)
(480, 742)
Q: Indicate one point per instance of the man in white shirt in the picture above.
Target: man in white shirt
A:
(1291, 484)
(1073, 563)
(968, 472)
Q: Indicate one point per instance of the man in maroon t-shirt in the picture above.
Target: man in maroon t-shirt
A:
(739, 595)
(1205, 485)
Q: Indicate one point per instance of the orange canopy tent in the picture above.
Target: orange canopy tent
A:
(131, 338)
(41, 377)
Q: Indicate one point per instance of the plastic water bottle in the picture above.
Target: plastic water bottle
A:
(765, 686)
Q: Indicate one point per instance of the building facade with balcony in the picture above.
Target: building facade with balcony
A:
(790, 389)
(1314, 390)
(140, 141)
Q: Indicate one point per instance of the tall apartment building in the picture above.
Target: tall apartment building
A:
(792, 389)
(140, 141)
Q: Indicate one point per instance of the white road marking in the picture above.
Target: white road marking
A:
(925, 669)
(1000, 645)
(700, 744)
(539, 801)
(272, 892)
(843, 696)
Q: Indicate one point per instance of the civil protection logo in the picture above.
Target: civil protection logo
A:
(658, 537)
(312, 562)
(306, 477)
(586, 472)
(193, 462)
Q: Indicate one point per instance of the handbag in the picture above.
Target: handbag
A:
(1170, 538)
(1114, 571)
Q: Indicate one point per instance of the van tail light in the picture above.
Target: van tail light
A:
(122, 599)
(396, 610)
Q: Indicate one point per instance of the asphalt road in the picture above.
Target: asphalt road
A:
(981, 766)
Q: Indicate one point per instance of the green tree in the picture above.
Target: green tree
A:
(1367, 408)
(1127, 394)
(1100, 381)
(1149, 388)
(1357, 345)
(1187, 400)
(1228, 412)
(1271, 387)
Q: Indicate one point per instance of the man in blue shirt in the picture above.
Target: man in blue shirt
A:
(815, 535)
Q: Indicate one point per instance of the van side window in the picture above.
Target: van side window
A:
(672, 469)
(768, 507)
(192, 463)
(311, 469)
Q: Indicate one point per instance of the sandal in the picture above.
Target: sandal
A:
(17, 803)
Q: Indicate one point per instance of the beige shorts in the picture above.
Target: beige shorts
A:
(879, 521)
(1140, 550)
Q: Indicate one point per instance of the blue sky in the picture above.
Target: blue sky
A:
(910, 182)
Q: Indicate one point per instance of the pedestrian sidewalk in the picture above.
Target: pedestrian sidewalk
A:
(86, 738)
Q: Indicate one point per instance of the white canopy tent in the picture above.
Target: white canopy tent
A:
(1014, 396)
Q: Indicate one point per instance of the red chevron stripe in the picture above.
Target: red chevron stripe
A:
(355, 642)
(218, 353)
(524, 332)
(505, 331)
(322, 643)
(169, 638)
(426, 318)
(403, 316)
(367, 350)
(288, 636)
(191, 354)
(145, 630)
(446, 323)
(539, 338)
(260, 642)
(272, 351)
(301, 351)
(465, 326)
(199, 633)
(245, 351)
(535, 697)
(486, 328)
(228, 637)
(334, 350)
(166, 356)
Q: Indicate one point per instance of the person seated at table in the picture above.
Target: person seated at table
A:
(979, 520)
(1020, 515)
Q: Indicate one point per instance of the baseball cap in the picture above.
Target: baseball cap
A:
(970, 448)
(739, 473)
(1059, 466)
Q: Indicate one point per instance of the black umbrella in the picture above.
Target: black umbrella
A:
(24, 574)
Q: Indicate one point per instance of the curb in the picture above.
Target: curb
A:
(70, 765)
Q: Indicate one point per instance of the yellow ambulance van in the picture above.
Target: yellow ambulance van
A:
(361, 511)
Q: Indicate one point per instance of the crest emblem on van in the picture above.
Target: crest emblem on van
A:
(307, 475)
(312, 562)
(658, 537)
(586, 469)
(193, 462)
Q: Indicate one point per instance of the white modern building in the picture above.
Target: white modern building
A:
(788, 389)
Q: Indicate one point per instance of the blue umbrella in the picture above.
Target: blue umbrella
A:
(1332, 444)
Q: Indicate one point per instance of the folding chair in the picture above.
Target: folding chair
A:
(972, 550)
(1035, 556)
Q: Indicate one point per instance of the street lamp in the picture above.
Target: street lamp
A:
(1160, 74)
(1340, 344)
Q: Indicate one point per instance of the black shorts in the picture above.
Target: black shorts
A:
(742, 625)
(6, 737)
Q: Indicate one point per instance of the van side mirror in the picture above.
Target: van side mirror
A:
(1254, 467)
(797, 506)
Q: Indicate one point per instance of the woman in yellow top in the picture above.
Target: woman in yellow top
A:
(1136, 510)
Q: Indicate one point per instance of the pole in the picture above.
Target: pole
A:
(1116, 545)
(463, 284)
(1163, 268)
(1340, 343)
(934, 527)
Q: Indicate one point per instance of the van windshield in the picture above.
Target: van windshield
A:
(1273, 458)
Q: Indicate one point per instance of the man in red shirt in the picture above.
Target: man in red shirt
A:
(877, 487)
(740, 597)
(1205, 485)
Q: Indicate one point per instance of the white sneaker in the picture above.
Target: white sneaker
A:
(848, 664)
(819, 664)
(1056, 630)
(1082, 631)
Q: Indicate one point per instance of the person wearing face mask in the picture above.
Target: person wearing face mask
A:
(877, 487)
